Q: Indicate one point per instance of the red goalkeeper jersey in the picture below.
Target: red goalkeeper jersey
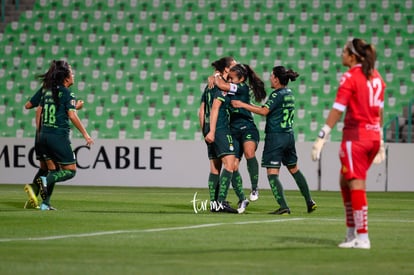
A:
(362, 99)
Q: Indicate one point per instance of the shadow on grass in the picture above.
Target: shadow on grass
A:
(11, 206)
(277, 244)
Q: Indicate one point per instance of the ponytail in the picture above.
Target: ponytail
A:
(255, 83)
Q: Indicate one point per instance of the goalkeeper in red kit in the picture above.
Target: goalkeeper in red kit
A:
(361, 94)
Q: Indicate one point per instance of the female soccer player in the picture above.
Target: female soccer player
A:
(32, 189)
(242, 125)
(279, 147)
(361, 93)
(56, 108)
(214, 122)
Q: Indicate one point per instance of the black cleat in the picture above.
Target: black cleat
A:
(281, 211)
(311, 206)
(226, 208)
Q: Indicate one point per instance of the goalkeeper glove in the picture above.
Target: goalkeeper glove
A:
(380, 157)
(320, 141)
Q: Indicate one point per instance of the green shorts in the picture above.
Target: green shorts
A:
(223, 145)
(279, 148)
(56, 147)
(244, 134)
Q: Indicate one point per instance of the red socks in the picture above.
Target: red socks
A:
(346, 198)
(360, 210)
(356, 209)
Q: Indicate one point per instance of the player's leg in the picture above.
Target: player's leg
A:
(250, 141)
(237, 184)
(63, 154)
(272, 160)
(356, 158)
(213, 178)
(225, 180)
(303, 187)
(360, 212)
(33, 188)
(347, 202)
(278, 192)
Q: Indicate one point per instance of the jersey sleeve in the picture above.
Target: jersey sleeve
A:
(69, 100)
(344, 92)
(35, 99)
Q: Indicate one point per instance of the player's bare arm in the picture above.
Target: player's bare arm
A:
(78, 124)
(213, 120)
(201, 115)
(260, 110)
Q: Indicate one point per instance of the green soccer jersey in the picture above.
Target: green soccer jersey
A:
(281, 104)
(55, 117)
(223, 116)
(239, 116)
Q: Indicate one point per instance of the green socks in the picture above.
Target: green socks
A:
(40, 173)
(57, 176)
(303, 185)
(225, 179)
(213, 182)
(277, 190)
(253, 169)
(237, 184)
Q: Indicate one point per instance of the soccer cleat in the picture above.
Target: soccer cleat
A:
(215, 206)
(42, 182)
(225, 207)
(347, 243)
(355, 243)
(28, 205)
(311, 206)
(362, 244)
(281, 211)
(32, 197)
(242, 206)
(254, 195)
(46, 207)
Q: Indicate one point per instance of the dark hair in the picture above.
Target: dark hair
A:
(58, 71)
(255, 83)
(284, 75)
(365, 54)
(222, 63)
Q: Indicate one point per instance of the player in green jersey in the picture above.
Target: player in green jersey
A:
(32, 189)
(57, 107)
(214, 122)
(241, 81)
(279, 147)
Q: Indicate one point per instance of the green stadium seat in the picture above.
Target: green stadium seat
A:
(112, 51)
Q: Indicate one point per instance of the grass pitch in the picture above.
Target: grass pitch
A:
(119, 230)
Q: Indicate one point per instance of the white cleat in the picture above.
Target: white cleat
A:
(254, 195)
(355, 243)
(242, 206)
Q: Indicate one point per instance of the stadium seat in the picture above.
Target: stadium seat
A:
(137, 49)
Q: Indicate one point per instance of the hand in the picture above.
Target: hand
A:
(236, 103)
(209, 137)
(79, 104)
(380, 157)
(317, 148)
(210, 80)
(89, 141)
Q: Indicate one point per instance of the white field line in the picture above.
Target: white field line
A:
(115, 232)
(103, 233)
